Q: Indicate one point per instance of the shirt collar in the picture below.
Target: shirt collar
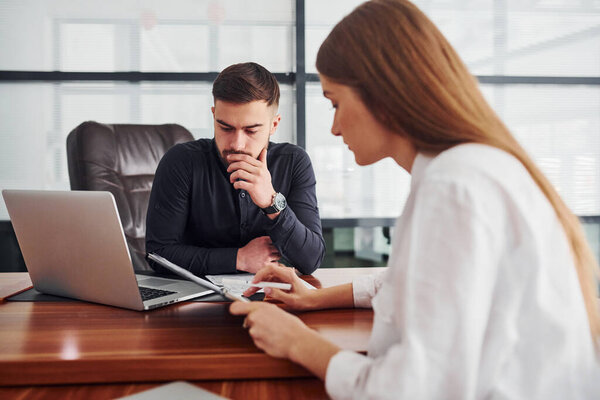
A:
(418, 168)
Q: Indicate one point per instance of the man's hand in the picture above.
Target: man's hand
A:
(258, 253)
(252, 175)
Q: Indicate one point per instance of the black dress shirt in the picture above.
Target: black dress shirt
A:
(197, 220)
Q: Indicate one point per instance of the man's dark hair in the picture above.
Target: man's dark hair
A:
(246, 82)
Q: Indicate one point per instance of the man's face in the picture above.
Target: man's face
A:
(243, 128)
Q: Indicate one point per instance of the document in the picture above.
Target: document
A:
(218, 279)
(175, 390)
(16, 286)
(242, 278)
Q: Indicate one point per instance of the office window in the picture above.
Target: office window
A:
(172, 47)
(37, 117)
(128, 35)
(321, 17)
(559, 125)
(125, 35)
(495, 37)
(90, 47)
(26, 124)
(592, 232)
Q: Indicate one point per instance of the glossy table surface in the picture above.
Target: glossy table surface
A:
(87, 350)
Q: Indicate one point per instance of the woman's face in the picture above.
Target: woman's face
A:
(365, 136)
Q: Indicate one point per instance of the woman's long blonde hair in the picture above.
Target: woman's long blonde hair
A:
(412, 80)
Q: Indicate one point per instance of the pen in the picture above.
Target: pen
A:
(234, 296)
(238, 282)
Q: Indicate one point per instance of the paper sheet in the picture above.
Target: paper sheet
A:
(218, 280)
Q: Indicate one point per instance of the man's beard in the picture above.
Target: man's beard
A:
(225, 153)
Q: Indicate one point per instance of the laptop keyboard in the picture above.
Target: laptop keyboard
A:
(150, 293)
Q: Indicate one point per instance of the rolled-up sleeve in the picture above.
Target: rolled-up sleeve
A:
(343, 372)
(365, 287)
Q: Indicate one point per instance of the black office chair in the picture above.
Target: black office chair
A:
(122, 159)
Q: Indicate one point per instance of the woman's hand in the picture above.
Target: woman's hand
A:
(299, 297)
(273, 330)
(283, 335)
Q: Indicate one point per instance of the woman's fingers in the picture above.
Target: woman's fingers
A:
(250, 291)
(242, 308)
(278, 294)
(263, 273)
(275, 272)
(271, 328)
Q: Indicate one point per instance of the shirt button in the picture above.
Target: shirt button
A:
(243, 194)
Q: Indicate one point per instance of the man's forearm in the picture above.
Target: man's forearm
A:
(308, 256)
(199, 260)
(302, 247)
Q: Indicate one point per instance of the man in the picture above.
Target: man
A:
(237, 202)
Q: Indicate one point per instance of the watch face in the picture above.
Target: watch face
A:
(279, 201)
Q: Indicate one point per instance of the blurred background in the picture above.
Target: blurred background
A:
(63, 62)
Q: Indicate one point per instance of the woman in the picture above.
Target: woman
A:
(490, 289)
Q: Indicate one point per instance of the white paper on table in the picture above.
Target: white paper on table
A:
(244, 277)
(175, 390)
(238, 289)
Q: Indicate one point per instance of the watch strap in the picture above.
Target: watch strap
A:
(273, 209)
(270, 210)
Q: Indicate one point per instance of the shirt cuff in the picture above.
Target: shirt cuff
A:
(363, 290)
(342, 374)
(281, 225)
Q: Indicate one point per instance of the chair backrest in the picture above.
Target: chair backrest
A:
(122, 159)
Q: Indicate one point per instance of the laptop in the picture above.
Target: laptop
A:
(74, 246)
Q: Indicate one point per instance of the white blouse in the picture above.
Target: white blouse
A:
(480, 298)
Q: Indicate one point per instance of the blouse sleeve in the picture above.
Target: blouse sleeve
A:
(365, 287)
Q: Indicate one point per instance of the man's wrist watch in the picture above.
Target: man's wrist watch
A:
(278, 204)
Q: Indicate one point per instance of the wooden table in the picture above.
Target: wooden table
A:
(84, 350)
